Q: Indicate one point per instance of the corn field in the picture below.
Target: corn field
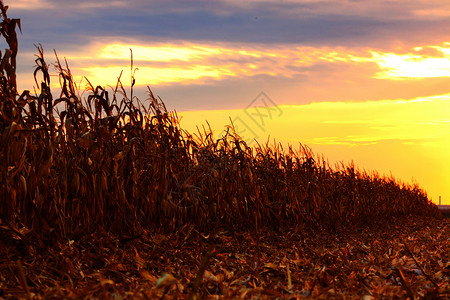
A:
(70, 165)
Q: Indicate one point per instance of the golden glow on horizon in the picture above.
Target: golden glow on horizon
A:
(416, 121)
(408, 138)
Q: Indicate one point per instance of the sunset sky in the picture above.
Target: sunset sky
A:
(359, 80)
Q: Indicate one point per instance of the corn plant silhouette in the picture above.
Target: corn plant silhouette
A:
(72, 165)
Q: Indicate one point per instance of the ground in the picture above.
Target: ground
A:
(400, 260)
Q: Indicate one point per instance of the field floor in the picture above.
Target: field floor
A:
(401, 260)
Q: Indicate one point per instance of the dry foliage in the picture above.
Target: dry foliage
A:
(110, 163)
(71, 165)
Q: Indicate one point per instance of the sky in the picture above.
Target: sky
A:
(366, 81)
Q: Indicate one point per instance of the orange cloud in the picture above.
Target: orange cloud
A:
(29, 4)
(168, 63)
(185, 62)
(433, 13)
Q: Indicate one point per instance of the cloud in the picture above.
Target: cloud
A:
(193, 63)
(216, 60)
(317, 23)
(414, 65)
(63, 5)
(147, 75)
(381, 9)
(27, 4)
(298, 50)
(231, 73)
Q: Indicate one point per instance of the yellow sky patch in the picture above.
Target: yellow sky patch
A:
(154, 76)
(163, 53)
